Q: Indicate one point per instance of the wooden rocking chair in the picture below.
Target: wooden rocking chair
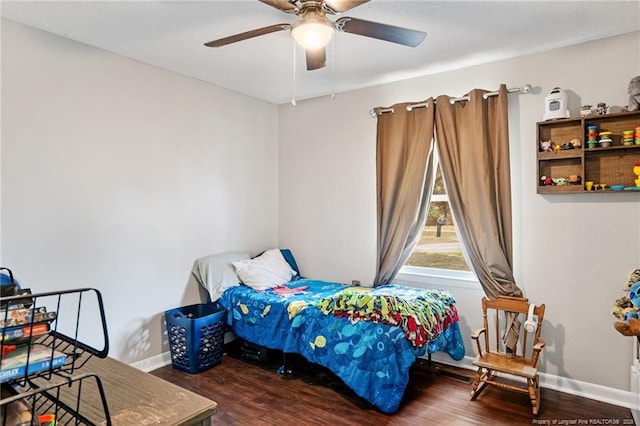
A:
(493, 356)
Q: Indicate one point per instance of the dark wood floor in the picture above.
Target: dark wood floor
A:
(252, 393)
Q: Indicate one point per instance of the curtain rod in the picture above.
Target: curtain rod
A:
(524, 89)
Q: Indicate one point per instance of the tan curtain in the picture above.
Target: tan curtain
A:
(473, 145)
(405, 173)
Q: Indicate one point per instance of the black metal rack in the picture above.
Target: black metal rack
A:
(47, 380)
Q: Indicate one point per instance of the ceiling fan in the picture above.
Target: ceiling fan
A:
(313, 31)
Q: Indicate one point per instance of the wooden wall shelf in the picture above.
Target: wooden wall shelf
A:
(612, 165)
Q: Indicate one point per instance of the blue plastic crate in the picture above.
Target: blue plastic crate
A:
(196, 336)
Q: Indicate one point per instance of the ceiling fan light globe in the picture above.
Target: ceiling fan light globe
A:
(312, 34)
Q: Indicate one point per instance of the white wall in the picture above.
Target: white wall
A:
(572, 252)
(118, 175)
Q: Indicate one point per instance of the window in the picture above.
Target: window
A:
(437, 258)
(439, 246)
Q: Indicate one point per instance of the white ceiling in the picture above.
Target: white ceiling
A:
(170, 35)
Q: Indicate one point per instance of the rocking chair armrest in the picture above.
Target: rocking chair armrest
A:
(537, 347)
(476, 336)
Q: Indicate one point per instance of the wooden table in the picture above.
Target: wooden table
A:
(136, 398)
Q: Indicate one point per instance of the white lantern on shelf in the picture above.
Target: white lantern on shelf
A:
(556, 104)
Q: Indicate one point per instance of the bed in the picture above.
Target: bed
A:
(369, 337)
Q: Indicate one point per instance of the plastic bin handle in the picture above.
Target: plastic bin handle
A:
(10, 273)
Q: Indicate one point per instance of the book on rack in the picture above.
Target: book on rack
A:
(21, 333)
(25, 316)
(30, 359)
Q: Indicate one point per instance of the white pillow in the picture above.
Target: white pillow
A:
(268, 270)
(216, 272)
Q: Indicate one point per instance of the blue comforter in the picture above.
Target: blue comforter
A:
(371, 357)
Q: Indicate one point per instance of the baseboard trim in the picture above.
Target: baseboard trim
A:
(153, 363)
(562, 384)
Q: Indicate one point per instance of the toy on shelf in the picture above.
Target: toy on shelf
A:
(605, 139)
(592, 134)
(627, 137)
(571, 180)
(545, 146)
(601, 108)
(634, 94)
(636, 171)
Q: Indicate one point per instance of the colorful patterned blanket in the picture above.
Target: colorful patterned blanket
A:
(423, 315)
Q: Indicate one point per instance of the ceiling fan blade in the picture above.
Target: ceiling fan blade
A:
(248, 34)
(385, 32)
(316, 58)
(339, 6)
(282, 5)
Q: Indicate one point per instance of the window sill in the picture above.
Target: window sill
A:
(437, 277)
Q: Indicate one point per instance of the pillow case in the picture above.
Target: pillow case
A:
(288, 256)
(216, 272)
(265, 271)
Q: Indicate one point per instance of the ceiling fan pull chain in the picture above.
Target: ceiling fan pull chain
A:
(293, 89)
(333, 67)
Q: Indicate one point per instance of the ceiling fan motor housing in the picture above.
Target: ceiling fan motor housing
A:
(313, 30)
